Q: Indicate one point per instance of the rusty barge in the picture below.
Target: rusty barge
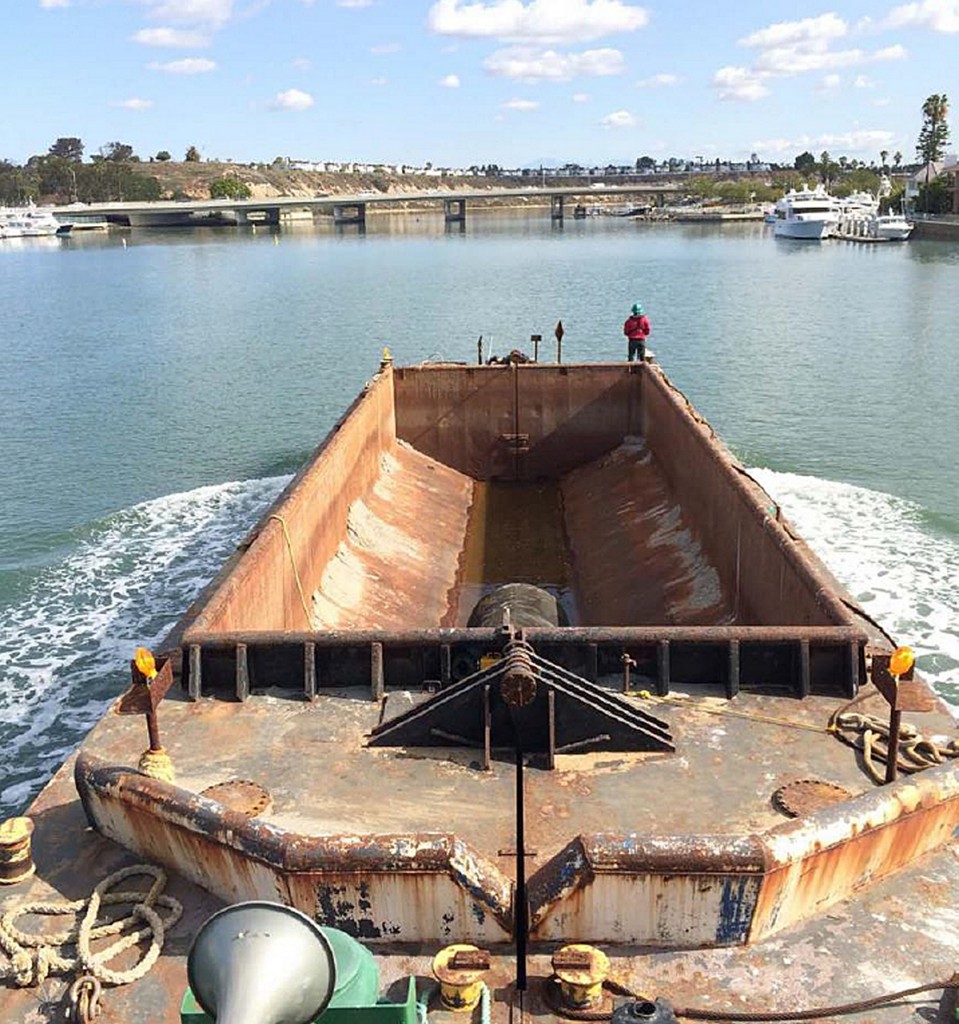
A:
(523, 658)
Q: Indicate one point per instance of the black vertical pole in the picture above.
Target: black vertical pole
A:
(522, 910)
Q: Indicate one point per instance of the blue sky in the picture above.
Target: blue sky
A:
(458, 82)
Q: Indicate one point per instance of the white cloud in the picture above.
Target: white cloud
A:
(528, 64)
(791, 48)
(881, 103)
(213, 12)
(866, 142)
(809, 31)
(580, 97)
(133, 104)
(378, 81)
(354, 3)
(739, 84)
(292, 99)
(619, 119)
(543, 21)
(794, 61)
(657, 81)
(187, 66)
(896, 52)
(178, 38)
(48, 4)
(386, 48)
(520, 105)
(450, 82)
(863, 82)
(830, 85)
(302, 63)
(938, 15)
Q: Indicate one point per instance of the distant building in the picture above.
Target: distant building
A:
(947, 169)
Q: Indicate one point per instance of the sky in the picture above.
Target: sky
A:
(462, 82)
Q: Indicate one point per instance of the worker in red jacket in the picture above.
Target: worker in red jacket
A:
(637, 329)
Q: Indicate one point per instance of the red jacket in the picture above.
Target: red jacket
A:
(637, 328)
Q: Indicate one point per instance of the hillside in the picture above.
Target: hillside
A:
(193, 180)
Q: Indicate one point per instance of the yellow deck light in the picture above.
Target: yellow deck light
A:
(144, 661)
(901, 661)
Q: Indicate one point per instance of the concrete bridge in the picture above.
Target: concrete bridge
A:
(346, 208)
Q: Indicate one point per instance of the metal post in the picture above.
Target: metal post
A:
(628, 663)
(662, 676)
(242, 673)
(309, 670)
(376, 671)
(479, 350)
(196, 672)
(536, 339)
(521, 915)
(895, 727)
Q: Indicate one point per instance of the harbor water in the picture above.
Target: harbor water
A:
(157, 389)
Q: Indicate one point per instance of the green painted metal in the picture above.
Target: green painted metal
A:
(354, 997)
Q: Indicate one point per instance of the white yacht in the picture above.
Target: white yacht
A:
(893, 227)
(807, 213)
(860, 220)
(30, 222)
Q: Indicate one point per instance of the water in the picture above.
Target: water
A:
(155, 396)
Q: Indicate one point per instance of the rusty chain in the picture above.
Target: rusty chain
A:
(83, 999)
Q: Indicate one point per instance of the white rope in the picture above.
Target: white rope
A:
(33, 957)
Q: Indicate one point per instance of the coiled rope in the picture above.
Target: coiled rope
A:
(871, 736)
(34, 957)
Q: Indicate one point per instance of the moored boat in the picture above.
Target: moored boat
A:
(806, 213)
(893, 227)
(522, 658)
(30, 222)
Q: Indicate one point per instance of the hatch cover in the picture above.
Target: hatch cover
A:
(240, 796)
(804, 796)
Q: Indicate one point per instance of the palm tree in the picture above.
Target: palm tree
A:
(897, 159)
(934, 134)
(884, 156)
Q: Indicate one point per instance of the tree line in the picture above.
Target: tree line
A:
(114, 172)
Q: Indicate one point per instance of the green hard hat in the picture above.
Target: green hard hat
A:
(637, 309)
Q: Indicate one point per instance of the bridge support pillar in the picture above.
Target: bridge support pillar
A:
(557, 207)
(349, 213)
(455, 211)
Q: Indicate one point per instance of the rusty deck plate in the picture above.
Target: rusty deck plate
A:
(240, 796)
(804, 796)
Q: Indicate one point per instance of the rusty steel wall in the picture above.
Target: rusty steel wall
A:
(665, 891)
(635, 559)
(728, 890)
(258, 591)
(559, 416)
(397, 560)
(415, 887)
(814, 862)
(764, 570)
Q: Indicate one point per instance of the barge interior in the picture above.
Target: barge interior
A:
(332, 664)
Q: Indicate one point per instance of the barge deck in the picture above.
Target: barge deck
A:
(346, 742)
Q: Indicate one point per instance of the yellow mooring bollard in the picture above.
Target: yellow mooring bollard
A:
(16, 858)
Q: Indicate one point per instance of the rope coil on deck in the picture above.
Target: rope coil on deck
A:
(871, 735)
(34, 957)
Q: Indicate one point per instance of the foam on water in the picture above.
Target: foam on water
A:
(65, 646)
(895, 563)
